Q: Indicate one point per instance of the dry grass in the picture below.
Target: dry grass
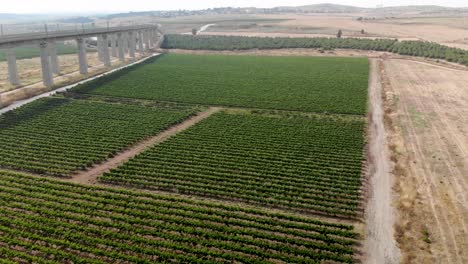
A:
(431, 169)
(31, 76)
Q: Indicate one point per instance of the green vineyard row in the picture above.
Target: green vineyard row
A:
(57, 136)
(310, 164)
(52, 222)
(336, 85)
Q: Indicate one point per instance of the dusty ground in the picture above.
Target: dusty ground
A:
(380, 245)
(448, 30)
(90, 176)
(427, 114)
(31, 76)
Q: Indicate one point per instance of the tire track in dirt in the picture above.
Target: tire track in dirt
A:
(90, 176)
(431, 110)
(380, 245)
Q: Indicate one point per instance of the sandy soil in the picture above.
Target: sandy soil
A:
(380, 245)
(436, 31)
(427, 110)
(90, 176)
(31, 76)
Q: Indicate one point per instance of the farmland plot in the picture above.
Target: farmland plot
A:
(57, 136)
(47, 221)
(310, 164)
(337, 85)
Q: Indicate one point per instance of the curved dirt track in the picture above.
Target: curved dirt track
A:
(380, 245)
(430, 106)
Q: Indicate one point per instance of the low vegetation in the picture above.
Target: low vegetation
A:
(57, 136)
(310, 164)
(321, 84)
(413, 48)
(47, 221)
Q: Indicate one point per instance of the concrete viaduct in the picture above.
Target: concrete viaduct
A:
(111, 42)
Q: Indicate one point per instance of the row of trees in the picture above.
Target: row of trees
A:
(413, 48)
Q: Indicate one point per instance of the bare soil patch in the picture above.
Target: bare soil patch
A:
(90, 176)
(380, 245)
(427, 112)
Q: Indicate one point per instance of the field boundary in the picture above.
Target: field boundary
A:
(90, 176)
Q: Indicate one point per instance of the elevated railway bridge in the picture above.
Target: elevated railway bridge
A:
(111, 42)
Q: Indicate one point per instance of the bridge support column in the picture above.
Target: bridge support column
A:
(105, 51)
(147, 40)
(125, 41)
(12, 67)
(100, 49)
(82, 55)
(47, 77)
(113, 40)
(121, 47)
(54, 63)
(151, 38)
(140, 42)
(132, 44)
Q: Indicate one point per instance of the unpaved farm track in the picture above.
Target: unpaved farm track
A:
(429, 108)
(380, 245)
(90, 176)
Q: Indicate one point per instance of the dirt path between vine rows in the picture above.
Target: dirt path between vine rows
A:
(380, 245)
(90, 176)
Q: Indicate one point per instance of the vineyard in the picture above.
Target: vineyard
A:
(413, 48)
(47, 221)
(57, 136)
(198, 159)
(335, 85)
(309, 164)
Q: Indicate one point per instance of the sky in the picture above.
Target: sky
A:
(112, 6)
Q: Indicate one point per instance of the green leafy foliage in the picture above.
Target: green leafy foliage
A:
(315, 84)
(308, 164)
(57, 222)
(413, 48)
(57, 136)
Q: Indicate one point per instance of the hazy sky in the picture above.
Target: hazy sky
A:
(78, 6)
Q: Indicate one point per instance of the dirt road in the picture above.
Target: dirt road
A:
(380, 244)
(429, 110)
(90, 176)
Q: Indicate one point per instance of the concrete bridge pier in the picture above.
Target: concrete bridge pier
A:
(125, 42)
(132, 44)
(121, 48)
(12, 67)
(54, 62)
(140, 42)
(113, 40)
(47, 76)
(105, 51)
(83, 60)
(151, 38)
(147, 40)
(100, 48)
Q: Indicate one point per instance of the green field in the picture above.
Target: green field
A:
(29, 51)
(274, 176)
(57, 136)
(310, 164)
(57, 222)
(313, 84)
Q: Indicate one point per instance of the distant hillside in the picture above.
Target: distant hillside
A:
(323, 8)
(76, 20)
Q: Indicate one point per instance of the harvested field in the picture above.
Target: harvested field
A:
(427, 114)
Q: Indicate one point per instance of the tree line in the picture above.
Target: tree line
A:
(413, 48)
